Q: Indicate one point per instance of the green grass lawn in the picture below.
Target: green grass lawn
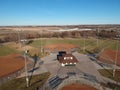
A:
(109, 74)
(91, 44)
(6, 50)
(37, 43)
(20, 84)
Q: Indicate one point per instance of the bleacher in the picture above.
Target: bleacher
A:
(54, 82)
(90, 78)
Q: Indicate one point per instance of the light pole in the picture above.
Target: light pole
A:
(26, 74)
(116, 56)
(25, 58)
(19, 38)
(98, 37)
(84, 43)
(41, 42)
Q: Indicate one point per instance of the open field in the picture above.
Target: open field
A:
(35, 46)
(90, 44)
(20, 83)
(56, 27)
(30, 28)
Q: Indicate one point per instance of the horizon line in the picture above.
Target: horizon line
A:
(57, 25)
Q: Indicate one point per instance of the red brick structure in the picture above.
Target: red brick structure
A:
(68, 59)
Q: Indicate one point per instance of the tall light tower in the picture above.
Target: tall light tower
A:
(41, 41)
(116, 56)
(25, 58)
(84, 42)
(19, 38)
(26, 74)
(98, 37)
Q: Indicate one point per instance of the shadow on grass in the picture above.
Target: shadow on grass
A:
(29, 42)
(35, 57)
(89, 52)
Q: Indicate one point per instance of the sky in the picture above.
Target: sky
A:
(59, 12)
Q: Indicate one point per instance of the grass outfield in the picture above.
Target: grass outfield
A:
(6, 50)
(20, 84)
(91, 44)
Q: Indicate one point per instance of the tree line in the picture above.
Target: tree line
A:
(15, 36)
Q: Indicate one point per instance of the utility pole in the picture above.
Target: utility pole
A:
(19, 38)
(98, 37)
(84, 42)
(116, 57)
(26, 74)
(41, 41)
(25, 58)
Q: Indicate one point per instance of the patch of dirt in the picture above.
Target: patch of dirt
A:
(60, 47)
(109, 56)
(78, 87)
(11, 63)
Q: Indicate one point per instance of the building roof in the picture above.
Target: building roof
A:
(68, 58)
(10, 64)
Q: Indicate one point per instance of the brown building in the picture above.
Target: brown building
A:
(67, 59)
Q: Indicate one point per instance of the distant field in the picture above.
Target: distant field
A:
(38, 43)
(90, 44)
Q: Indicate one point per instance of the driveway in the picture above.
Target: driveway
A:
(86, 65)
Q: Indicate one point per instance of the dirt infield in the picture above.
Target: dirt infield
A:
(60, 47)
(10, 64)
(109, 56)
(78, 87)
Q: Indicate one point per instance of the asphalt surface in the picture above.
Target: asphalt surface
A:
(84, 66)
(51, 64)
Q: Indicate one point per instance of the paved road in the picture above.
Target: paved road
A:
(50, 63)
(87, 66)
(45, 64)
